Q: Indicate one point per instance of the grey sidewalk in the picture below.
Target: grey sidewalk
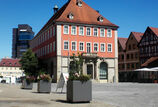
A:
(13, 96)
(104, 95)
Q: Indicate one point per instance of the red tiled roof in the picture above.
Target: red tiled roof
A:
(138, 35)
(82, 15)
(8, 62)
(149, 61)
(155, 30)
(123, 42)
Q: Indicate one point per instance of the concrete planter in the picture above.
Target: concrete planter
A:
(26, 85)
(44, 86)
(78, 91)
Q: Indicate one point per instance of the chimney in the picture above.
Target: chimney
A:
(55, 9)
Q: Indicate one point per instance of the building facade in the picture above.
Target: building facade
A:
(10, 70)
(77, 28)
(149, 45)
(129, 52)
(122, 54)
(21, 38)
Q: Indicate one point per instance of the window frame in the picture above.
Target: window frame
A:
(101, 47)
(110, 33)
(75, 45)
(108, 47)
(95, 32)
(100, 32)
(73, 29)
(83, 30)
(79, 46)
(90, 47)
(64, 45)
(87, 30)
(66, 33)
(94, 47)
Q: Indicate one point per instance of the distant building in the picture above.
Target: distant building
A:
(129, 52)
(122, 54)
(10, 70)
(76, 27)
(21, 38)
(149, 47)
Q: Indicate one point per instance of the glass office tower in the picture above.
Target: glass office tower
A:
(21, 38)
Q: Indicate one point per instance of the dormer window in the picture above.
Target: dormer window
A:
(100, 18)
(71, 16)
(79, 3)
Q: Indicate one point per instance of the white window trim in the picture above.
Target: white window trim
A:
(111, 47)
(111, 33)
(90, 45)
(97, 32)
(76, 45)
(93, 47)
(76, 30)
(64, 30)
(83, 46)
(68, 44)
(90, 31)
(100, 32)
(104, 47)
(83, 30)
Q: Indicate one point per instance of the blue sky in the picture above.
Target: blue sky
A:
(130, 15)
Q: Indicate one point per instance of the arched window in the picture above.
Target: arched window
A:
(103, 70)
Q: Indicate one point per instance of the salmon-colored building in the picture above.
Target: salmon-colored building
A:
(76, 27)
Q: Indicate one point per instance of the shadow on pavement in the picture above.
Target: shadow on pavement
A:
(65, 101)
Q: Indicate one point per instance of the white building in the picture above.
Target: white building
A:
(10, 70)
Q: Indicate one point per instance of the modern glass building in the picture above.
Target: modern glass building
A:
(21, 38)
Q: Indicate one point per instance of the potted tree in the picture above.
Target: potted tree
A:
(79, 86)
(29, 64)
(44, 83)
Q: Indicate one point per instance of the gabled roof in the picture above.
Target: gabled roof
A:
(149, 61)
(138, 35)
(155, 30)
(8, 62)
(82, 15)
(122, 42)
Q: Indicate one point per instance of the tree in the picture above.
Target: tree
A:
(29, 63)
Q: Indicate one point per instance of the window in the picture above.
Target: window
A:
(48, 49)
(73, 46)
(102, 47)
(129, 47)
(109, 33)
(66, 29)
(81, 46)
(54, 46)
(127, 56)
(122, 57)
(95, 31)
(109, 47)
(128, 66)
(51, 48)
(81, 30)
(45, 50)
(95, 47)
(88, 31)
(50, 32)
(102, 33)
(55, 30)
(73, 30)
(88, 47)
(66, 45)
